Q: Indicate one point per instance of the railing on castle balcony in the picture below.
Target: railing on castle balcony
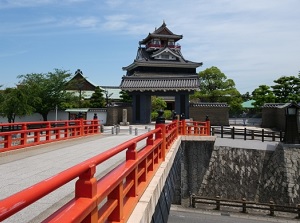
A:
(113, 197)
(23, 134)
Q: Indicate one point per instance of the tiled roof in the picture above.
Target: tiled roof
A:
(190, 82)
(274, 105)
(209, 104)
(161, 32)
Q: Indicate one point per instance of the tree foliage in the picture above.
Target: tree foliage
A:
(215, 87)
(14, 102)
(97, 100)
(287, 89)
(45, 91)
(158, 103)
(263, 94)
(125, 97)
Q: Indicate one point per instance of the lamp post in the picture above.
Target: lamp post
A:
(291, 135)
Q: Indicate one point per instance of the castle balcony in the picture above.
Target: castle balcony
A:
(158, 46)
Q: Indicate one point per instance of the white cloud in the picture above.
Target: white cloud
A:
(116, 22)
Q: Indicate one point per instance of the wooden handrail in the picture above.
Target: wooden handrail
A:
(25, 134)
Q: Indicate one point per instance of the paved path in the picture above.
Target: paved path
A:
(22, 169)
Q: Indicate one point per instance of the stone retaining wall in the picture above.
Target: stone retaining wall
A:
(236, 173)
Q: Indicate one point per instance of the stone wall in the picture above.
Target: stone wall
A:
(218, 113)
(281, 176)
(236, 173)
(273, 118)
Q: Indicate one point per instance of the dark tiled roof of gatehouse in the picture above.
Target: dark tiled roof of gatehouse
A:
(164, 83)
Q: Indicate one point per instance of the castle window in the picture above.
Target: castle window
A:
(171, 42)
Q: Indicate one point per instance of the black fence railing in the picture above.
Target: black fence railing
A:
(247, 134)
(245, 205)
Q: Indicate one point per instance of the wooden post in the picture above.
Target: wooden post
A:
(183, 127)
(86, 186)
(222, 128)
(262, 135)
(24, 134)
(272, 208)
(232, 133)
(218, 203)
(192, 204)
(244, 205)
(162, 135)
(48, 131)
(208, 128)
(245, 133)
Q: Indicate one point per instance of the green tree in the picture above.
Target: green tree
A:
(125, 97)
(97, 100)
(287, 89)
(263, 94)
(158, 103)
(45, 91)
(246, 96)
(70, 101)
(14, 102)
(215, 87)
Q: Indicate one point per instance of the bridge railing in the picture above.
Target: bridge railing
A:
(111, 198)
(187, 127)
(23, 134)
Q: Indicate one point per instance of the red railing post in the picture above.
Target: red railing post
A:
(37, 135)
(177, 127)
(81, 126)
(162, 135)
(131, 153)
(24, 134)
(96, 129)
(8, 141)
(117, 195)
(48, 131)
(183, 127)
(208, 128)
(66, 130)
(86, 186)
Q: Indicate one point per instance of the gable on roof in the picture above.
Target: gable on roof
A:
(79, 82)
(163, 30)
(165, 53)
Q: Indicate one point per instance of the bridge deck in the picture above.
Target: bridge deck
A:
(21, 169)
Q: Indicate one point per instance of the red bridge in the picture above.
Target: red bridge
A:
(112, 197)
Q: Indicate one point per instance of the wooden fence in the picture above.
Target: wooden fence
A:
(247, 134)
(245, 205)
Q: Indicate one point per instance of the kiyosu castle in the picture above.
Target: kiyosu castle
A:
(160, 69)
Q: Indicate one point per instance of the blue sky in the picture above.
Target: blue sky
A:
(252, 42)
